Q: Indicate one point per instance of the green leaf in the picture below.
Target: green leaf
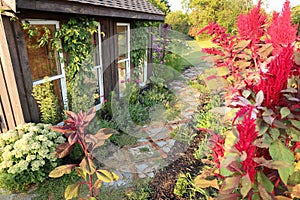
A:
(280, 152)
(87, 166)
(262, 127)
(296, 123)
(259, 98)
(80, 173)
(265, 182)
(272, 164)
(246, 93)
(246, 185)
(72, 191)
(294, 133)
(231, 183)
(259, 142)
(284, 112)
(279, 124)
(223, 71)
(267, 113)
(269, 119)
(275, 133)
(294, 178)
(61, 170)
(106, 176)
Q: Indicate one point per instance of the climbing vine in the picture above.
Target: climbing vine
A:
(76, 36)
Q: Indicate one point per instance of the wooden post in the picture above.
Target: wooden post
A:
(8, 87)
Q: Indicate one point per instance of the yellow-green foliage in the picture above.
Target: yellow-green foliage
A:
(47, 102)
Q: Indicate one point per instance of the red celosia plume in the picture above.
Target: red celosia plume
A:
(281, 32)
(247, 135)
(275, 80)
(252, 25)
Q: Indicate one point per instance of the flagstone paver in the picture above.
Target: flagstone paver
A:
(152, 151)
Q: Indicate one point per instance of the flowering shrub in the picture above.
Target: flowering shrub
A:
(259, 157)
(27, 155)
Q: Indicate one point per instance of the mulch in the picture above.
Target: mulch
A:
(164, 181)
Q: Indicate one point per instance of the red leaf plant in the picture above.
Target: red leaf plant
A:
(262, 72)
(74, 129)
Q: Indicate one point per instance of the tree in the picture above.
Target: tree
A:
(178, 21)
(162, 5)
(296, 16)
(224, 12)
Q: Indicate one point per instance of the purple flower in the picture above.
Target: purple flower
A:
(122, 81)
(137, 81)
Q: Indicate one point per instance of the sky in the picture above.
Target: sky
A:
(273, 4)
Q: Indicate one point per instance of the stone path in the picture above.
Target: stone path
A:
(154, 150)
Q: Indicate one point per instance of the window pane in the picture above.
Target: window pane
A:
(43, 60)
(95, 50)
(122, 42)
(122, 76)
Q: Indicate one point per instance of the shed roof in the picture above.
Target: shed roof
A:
(132, 9)
(133, 5)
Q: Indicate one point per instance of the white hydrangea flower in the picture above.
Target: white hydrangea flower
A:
(30, 158)
(60, 140)
(42, 138)
(35, 145)
(7, 155)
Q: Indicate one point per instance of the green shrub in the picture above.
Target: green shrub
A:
(27, 156)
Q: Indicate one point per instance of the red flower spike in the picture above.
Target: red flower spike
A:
(217, 146)
(247, 134)
(281, 32)
(252, 25)
(276, 78)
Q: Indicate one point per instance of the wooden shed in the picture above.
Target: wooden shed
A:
(21, 67)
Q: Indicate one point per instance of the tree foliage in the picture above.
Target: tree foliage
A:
(296, 16)
(178, 21)
(223, 12)
(162, 5)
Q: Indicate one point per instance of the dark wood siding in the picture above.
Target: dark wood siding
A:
(11, 113)
(17, 48)
(110, 56)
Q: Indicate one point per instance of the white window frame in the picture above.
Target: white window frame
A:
(126, 60)
(99, 69)
(62, 76)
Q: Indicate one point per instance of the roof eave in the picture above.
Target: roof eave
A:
(77, 8)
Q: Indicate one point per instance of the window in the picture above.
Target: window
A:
(45, 61)
(123, 31)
